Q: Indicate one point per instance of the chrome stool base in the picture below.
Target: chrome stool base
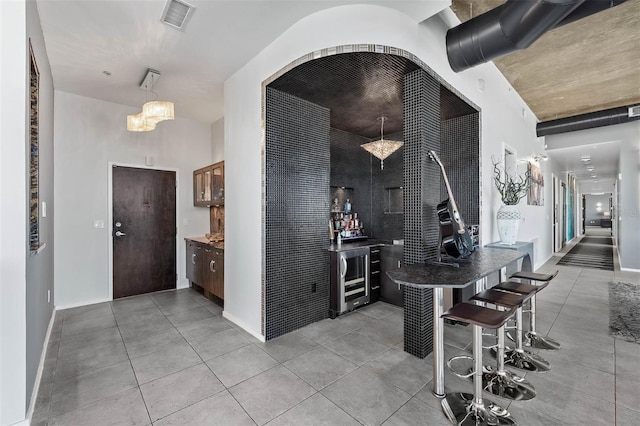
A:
(461, 410)
(507, 385)
(525, 361)
(537, 341)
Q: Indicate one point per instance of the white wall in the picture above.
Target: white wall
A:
(502, 120)
(629, 208)
(217, 141)
(88, 135)
(13, 210)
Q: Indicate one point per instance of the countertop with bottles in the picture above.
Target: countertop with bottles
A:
(371, 242)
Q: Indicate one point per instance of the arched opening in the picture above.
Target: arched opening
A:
(317, 112)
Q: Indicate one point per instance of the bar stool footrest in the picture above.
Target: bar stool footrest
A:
(470, 371)
(461, 410)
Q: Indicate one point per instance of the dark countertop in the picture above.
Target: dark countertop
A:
(481, 263)
(371, 242)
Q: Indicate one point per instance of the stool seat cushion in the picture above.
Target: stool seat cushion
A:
(534, 276)
(500, 298)
(478, 315)
(516, 287)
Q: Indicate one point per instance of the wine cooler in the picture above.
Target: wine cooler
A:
(350, 285)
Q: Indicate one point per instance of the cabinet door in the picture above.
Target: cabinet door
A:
(217, 184)
(218, 280)
(208, 269)
(202, 186)
(198, 187)
(191, 261)
(391, 258)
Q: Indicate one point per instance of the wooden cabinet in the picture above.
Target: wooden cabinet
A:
(205, 267)
(208, 185)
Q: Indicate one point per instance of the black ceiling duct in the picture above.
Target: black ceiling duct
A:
(514, 25)
(591, 120)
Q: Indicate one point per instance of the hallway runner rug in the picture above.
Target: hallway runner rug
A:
(587, 255)
(608, 241)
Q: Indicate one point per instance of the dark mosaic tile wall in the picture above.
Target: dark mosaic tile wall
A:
(296, 213)
(422, 194)
(461, 156)
(350, 168)
(353, 167)
(388, 226)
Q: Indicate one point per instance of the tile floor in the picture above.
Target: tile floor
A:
(171, 359)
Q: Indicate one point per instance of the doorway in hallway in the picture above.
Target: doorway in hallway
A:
(144, 230)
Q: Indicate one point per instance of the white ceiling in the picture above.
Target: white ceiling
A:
(125, 37)
(603, 156)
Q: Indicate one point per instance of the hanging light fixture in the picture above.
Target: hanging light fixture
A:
(382, 148)
(154, 111)
(137, 123)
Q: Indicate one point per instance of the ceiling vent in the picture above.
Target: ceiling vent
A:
(634, 111)
(176, 14)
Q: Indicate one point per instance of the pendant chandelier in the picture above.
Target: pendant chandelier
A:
(382, 148)
(153, 112)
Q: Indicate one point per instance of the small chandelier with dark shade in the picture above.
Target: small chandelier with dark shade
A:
(382, 148)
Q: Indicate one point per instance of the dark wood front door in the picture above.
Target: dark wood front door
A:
(144, 231)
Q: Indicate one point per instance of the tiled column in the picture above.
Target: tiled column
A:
(421, 196)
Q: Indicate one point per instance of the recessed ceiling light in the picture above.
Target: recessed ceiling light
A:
(585, 158)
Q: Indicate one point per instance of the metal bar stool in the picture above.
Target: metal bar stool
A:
(499, 381)
(532, 338)
(464, 408)
(518, 357)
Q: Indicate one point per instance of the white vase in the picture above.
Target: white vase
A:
(508, 219)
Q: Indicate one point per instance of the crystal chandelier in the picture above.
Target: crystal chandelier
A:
(382, 148)
(153, 112)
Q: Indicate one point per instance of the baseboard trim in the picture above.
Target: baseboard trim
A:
(36, 385)
(630, 270)
(75, 305)
(243, 326)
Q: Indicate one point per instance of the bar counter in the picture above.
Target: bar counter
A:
(476, 268)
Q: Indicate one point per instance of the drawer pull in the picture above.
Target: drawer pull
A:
(375, 272)
(375, 261)
(375, 288)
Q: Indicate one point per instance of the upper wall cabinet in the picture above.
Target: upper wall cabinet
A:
(208, 185)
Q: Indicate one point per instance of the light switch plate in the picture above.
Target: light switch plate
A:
(98, 224)
(44, 209)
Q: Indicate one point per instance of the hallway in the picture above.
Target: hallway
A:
(596, 249)
(170, 358)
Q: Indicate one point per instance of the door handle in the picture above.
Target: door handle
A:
(120, 234)
(212, 266)
(343, 267)
(193, 258)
